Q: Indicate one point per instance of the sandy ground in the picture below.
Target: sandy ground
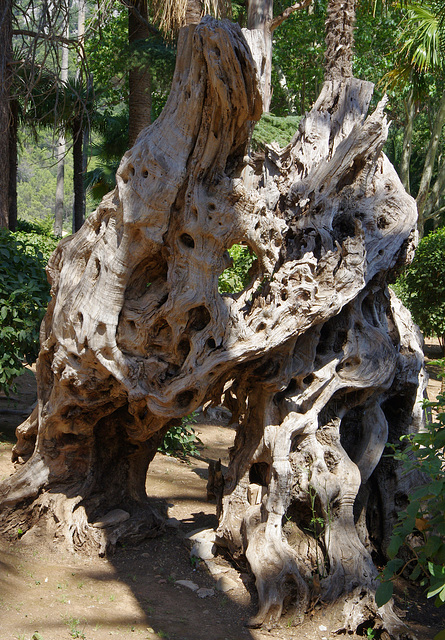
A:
(47, 595)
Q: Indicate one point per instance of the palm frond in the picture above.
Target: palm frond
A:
(421, 38)
(170, 14)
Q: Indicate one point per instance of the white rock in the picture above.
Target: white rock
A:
(188, 583)
(226, 584)
(205, 593)
(202, 534)
(215, 569)
(322, 627)
(203, 549)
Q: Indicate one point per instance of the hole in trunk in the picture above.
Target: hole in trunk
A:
(184, 398)
(187, 240)
(259, 473)
(199, 318)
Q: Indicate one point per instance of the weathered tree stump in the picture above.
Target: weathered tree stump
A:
(316, 359)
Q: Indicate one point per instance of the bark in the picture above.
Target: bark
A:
(193, 12)
(259, 20)
(340, 22)
(139, 75)
(317, 361)
(5, 114)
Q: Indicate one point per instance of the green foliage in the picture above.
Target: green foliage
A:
(24, 295)
(107, 150)
(422, 287)
(425, 514)
(297, 58)
(270, 128)
(236, 277)
(37, 178)
(110, 58)
(181, 441)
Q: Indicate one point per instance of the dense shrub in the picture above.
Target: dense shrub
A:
(24, 295)
(421, 526)
(422, 287)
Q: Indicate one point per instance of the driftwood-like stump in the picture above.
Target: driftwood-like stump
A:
(316, 359)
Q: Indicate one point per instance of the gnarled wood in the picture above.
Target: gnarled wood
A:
(317, 361)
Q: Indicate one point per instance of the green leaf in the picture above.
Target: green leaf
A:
(384, 593)
(394, 545)
(433, 591)
(440, 635)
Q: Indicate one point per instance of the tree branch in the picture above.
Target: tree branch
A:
(44, 36)
(287, 12)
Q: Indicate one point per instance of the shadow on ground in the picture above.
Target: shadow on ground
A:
(48, 595)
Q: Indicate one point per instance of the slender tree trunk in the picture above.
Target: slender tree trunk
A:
(435, 194)
(80, 208)
(340, 23)
(410, 112)
(259, 16)
(13, 162)
(60, 186)
(5, 112)
(430, 159)
(78, 182)
(61, 150)
(139, 75)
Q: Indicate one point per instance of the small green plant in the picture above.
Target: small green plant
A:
(181, 441)
(424, 518)
(318, 527)
(75, 632)
(370, 633)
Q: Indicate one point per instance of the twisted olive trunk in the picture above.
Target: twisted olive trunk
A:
(317, 361)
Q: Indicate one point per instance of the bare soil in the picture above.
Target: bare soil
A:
(49, 595)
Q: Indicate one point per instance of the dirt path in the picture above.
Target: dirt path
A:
(135, 594)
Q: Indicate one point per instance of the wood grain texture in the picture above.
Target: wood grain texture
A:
(318, 362)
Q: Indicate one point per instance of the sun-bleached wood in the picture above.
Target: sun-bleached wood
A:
(316, 359)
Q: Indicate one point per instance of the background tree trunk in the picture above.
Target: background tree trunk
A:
(139, 75)
(78, 175)
(410, 112)
(259, 18)
(5, 113)
(61, 147)
(317, 361)
(13, 163)
(430, 159)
